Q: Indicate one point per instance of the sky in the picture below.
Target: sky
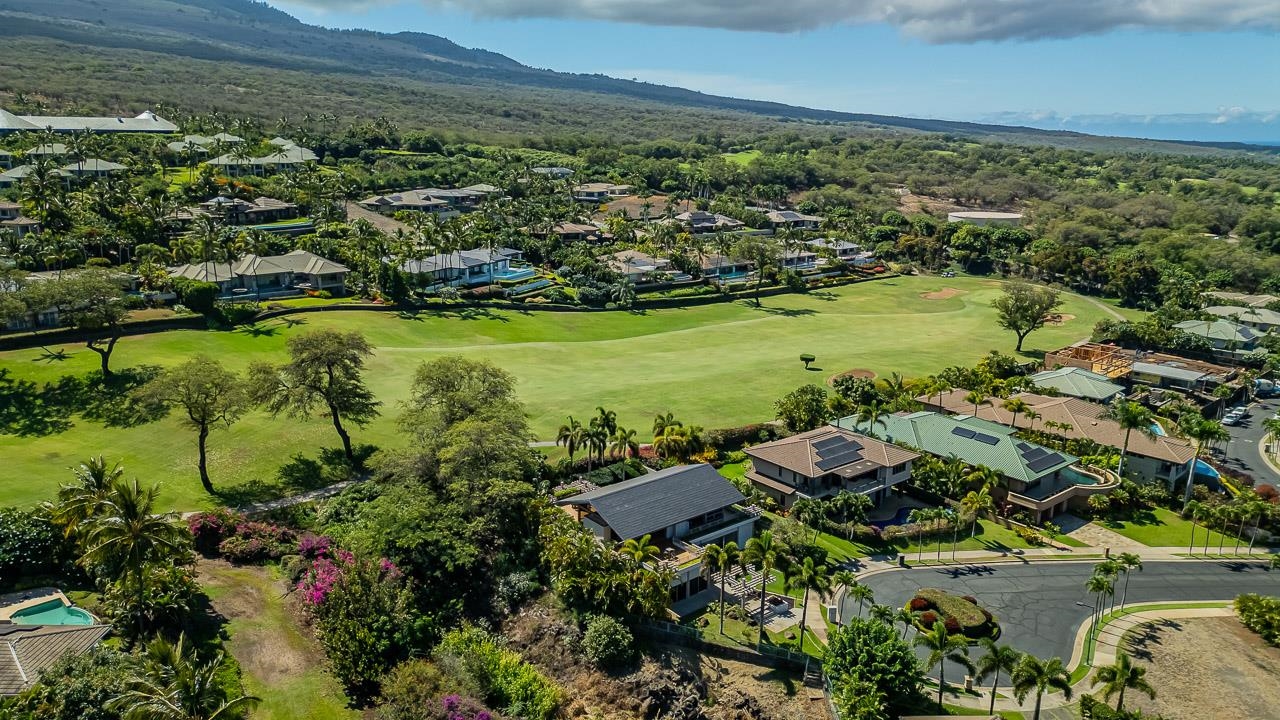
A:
(1176, 69)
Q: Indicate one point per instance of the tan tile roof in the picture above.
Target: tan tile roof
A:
(797, 453)
(1084, 417)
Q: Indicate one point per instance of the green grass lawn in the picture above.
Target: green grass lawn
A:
(715, 365)
(1164, 528)
(743, 158)
(278, 662)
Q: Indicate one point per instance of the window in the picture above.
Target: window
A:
(900, 467)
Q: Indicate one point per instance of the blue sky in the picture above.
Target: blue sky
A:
(1146, 76)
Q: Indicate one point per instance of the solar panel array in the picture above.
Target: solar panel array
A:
(836, 451)
(1038, 458)
(970, 434)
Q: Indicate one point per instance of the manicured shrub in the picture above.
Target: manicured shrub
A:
(919, 604)
(952, 625)
(928, 619)
(237, 313)
(607, 642)
(959, 614)
(197, 295)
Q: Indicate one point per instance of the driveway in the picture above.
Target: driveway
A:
(1244, 451)
(1041, 605)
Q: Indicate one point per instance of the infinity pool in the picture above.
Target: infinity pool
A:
(52, 612)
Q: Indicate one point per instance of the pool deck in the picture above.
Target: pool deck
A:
(19, 601)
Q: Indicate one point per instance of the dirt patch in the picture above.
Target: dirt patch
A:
(151, 314)
(255, 604)
(670, 682)
(1206, 668)
(1059, 319)
(943, 294)
(854, 373)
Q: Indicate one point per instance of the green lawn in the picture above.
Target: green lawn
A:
(1164, 528)
(743, 158)
(715, 365)
(279, 663)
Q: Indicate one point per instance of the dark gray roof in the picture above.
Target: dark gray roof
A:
(659, 500)
(28, 650)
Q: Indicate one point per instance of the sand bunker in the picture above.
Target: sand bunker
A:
(943, 294)
(855, 373)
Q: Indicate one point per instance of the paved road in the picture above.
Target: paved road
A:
(1243, 453)
(1041, 606)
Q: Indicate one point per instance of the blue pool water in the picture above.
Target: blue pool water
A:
(513, 274)
(1203, 468)
(52, 612)
(899, 518)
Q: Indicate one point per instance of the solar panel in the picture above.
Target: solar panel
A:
(830, 442)
(1022, 447)
(839, 459)
(1034, 453)
(963, 432)
(988, 439)
(1045, 462)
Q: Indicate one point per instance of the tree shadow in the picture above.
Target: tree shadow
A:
(813, 369)
(301, 474)
(256, 330)
(784, 312)
(31, 410)
(292, 321)
(824, 295)
(52, 356)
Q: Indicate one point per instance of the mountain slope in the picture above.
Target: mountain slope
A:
(217, 45)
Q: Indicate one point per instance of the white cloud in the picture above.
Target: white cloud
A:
(936, 21)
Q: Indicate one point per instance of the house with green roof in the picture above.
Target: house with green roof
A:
(1037, 479)
(1078, 383)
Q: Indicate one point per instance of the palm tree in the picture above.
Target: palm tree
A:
(1120, 676)
(639, 550)
(170, 683)
(1128, 562)
(908, 620)
(720, 558)
(861, 593)
(1031, 415)
(944, 646)
(997, 659)
(1110, 569)
(596, 436)
(127, 534)
(882, 613)
(1130, 416)
(1016, 406)
(975, 503)
(662, 422)
(871, 415)
(807, 576)
(571, 436)
(763, 552)
(1193, 508)
(1099, 585)
(81, 501)
(919, 517)
(624, 444)
(1204, 432)
(975, 399)
(608, 419)
(1033, 674)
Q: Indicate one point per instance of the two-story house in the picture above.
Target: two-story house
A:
(682, 509)
(467, 268)
(11, 218)
(792, 220)
(598, 192)
(826, 461)
(1228, 339)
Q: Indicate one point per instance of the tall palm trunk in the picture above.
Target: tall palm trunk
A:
(723, 572)
(804, 612)
(994, 683)
(1191, 542)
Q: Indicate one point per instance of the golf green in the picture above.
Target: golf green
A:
(714, 365)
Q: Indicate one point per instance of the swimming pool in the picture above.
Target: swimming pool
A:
(899, 518)
(1203, 468)
(52, 612)
(1078, 477)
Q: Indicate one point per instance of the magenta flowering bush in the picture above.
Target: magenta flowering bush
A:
(210, 528)
(312, 546)
(253, 542)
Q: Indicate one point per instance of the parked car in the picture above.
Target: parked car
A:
(1232, 419)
